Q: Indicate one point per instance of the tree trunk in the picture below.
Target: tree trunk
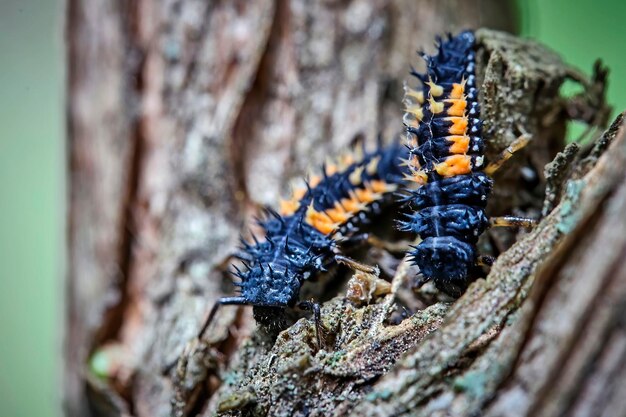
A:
(185, 116)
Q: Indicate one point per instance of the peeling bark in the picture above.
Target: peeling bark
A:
(185, 116)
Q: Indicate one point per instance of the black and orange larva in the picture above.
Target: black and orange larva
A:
(303, 239)
(443, 130)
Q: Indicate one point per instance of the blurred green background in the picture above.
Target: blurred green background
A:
(32, 195)
(32, 181)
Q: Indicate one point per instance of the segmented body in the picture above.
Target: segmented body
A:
(447, 156)
(302, 239)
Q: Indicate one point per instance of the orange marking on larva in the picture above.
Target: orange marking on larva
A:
(324, 227)
(352, 204)
(454, 165)
(298, 193)
(311, 214)
(320, 220)
(418, 177)
(368, 187)
(460, 144)
(436, 106)
(380, 187)
(459, 125)
(314, 180)
(457, 108)
(338, 214)
(457, 90)
(331, 169)
(365, 195)
(288, 207)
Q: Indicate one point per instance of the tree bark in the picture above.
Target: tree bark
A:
(185, 116)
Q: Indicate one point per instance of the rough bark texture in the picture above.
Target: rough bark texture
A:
(185, 116)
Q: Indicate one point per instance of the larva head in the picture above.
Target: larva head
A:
(272, 318)
(447, 261)
(275, 267)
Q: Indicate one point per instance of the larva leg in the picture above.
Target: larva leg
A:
(394, 247)
(207, 322)
(218, 303)
(315, 308)
(506, 154)
(512, 221)
(357, 266)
